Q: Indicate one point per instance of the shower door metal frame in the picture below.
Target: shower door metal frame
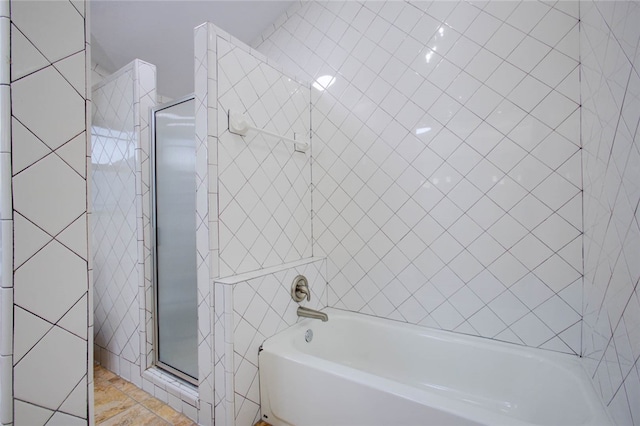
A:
(154, 249)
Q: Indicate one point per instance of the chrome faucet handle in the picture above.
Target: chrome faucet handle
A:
(303, 294)
(300, 289)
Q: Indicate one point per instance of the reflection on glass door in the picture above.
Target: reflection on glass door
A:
(175, 238)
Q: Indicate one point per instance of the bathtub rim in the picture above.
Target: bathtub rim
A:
(433, 332)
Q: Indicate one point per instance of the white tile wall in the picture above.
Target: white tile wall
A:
(237, 177)
(447, 180)
(249, 311)
(115, 245)
(46, 165)
(610, 89)
(264, 185)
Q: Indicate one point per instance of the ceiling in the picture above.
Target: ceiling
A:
(161, 32)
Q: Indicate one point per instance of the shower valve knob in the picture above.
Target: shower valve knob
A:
(300, 289)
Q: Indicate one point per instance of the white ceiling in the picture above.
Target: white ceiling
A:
(161, 32)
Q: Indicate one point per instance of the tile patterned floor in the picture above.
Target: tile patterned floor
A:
(118, 402)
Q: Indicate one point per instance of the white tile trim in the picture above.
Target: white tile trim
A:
(234, 279)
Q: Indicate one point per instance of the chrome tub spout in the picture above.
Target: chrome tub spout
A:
(312, 313)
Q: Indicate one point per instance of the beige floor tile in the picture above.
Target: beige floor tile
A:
(101, 374)
(166, 412)
(135, 392)
(118, 382)
(110, 402)
(136, 415)
(118, 402)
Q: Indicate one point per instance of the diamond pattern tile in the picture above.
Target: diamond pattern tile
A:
(487, 198)
(114, 225)
(121, 220)
(72, 68)
(35, 239)
(47, 116)
(37, 281)
(31, 414)
(55, 29)
(48, 106)
(51, 204)
(25, 57)
(31, 329)
(265, 198)
(57, 348)
(609, 80)
(28, 148)
(249, 312)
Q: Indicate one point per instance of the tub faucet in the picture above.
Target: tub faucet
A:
(312, 313)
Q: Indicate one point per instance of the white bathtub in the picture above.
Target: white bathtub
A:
(362, 370)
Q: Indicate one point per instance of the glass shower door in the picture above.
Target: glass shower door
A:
(175, 238)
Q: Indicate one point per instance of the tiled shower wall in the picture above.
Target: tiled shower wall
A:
(447, 179)
(118, 153)
(114, 221)
(264, 185)
(49, 346)
(611, 159)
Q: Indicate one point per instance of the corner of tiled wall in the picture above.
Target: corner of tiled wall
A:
(610, 88)
(145, 95)
(6, 224)
(90, 300)
(51, 369)
(97, 73)
(205, 91)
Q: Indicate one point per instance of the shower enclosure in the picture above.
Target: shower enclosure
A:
(174, 224)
